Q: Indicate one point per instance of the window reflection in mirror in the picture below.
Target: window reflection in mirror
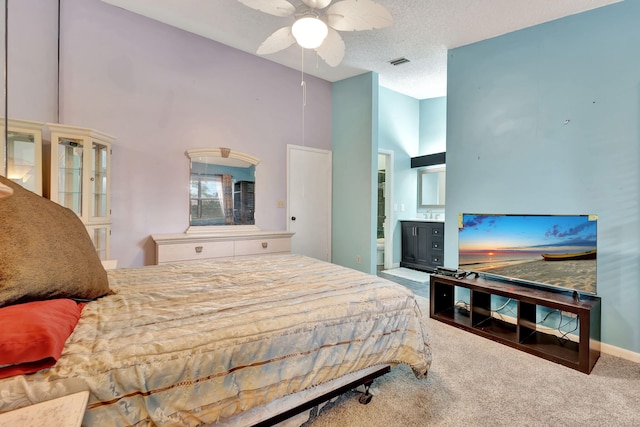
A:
(222, 195)
(222, 188)
(431, 187)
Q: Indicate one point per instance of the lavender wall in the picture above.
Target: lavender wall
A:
(33, 57)
(160, 91)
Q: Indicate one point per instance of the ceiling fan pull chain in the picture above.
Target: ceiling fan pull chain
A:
(304, 93)
(304, 104)
(303, 84)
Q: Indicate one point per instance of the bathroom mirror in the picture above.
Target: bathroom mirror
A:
(431, 187)
(221, 189)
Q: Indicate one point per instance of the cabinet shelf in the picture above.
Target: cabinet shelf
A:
(452, 315)
(579, 350)
(497, 328)
(544, 343)
(80, 178)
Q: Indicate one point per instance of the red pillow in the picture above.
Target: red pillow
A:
(33, 334)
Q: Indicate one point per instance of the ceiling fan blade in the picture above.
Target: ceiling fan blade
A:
(358, 15)
(332, 48)
(317, 4)
(280, 39)
(272, 7)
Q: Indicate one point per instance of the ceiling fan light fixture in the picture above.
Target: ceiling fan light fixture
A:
(309, 31)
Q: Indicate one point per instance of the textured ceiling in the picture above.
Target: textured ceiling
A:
(423, 31)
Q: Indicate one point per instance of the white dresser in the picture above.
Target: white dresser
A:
(186, 247)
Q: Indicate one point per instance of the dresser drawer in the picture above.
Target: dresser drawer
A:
(261, 246)
(190, 251)
(226, 244)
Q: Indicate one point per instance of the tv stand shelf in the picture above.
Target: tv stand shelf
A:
(523, 332)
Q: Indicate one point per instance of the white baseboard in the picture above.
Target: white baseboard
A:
(620, 352)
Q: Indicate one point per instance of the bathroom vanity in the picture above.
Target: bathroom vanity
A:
(422, 244)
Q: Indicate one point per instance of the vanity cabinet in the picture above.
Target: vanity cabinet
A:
(80, 178)
(422, 245)
(24, 153)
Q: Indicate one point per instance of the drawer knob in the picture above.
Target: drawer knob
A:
(198, 249)
(264, 245)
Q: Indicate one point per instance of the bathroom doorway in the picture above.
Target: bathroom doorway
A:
(384, 230)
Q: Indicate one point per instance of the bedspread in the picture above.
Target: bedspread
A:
(197, 342)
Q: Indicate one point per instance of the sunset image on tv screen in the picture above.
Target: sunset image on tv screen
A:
(554, 250)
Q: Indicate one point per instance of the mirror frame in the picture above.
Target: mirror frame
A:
(225, 157)
(436, 169)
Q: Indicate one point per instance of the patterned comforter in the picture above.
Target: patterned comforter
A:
(197, 342)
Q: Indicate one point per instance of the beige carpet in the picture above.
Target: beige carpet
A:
(474, 381)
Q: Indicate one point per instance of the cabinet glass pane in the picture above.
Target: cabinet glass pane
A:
(21, 150)
(70, 154)
(99, 237)
(99, 180)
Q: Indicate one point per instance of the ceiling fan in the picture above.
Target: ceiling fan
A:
(316, 24)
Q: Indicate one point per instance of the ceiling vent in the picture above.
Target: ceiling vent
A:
(399, 61)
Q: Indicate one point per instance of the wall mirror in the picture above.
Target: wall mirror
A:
(221, 189)
(431, 187)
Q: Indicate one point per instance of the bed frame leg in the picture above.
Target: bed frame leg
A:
(365, 397)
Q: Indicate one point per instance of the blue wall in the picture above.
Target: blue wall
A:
(354, 109)
(433, 126)
(399, 132)
(367, 118)
(237, 173)
(547, 120)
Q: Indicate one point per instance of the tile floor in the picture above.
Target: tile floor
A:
(418, 288)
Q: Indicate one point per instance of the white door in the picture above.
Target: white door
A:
(309, 201)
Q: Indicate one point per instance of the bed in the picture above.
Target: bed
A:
(227, 341)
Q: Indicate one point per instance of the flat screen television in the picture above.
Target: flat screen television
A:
(556, 251)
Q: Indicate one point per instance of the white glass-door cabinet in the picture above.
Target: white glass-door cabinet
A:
(80, 178)
(24, 153)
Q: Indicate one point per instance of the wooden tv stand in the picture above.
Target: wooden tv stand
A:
(522, 333)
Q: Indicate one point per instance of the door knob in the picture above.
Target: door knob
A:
(293, 218)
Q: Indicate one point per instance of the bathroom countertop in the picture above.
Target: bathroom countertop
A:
(423, 220)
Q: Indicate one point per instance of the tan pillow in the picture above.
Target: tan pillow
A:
(45, 251)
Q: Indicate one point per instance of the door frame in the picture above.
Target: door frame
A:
(388, 212)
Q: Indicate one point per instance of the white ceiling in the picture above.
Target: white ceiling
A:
(423, 31)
